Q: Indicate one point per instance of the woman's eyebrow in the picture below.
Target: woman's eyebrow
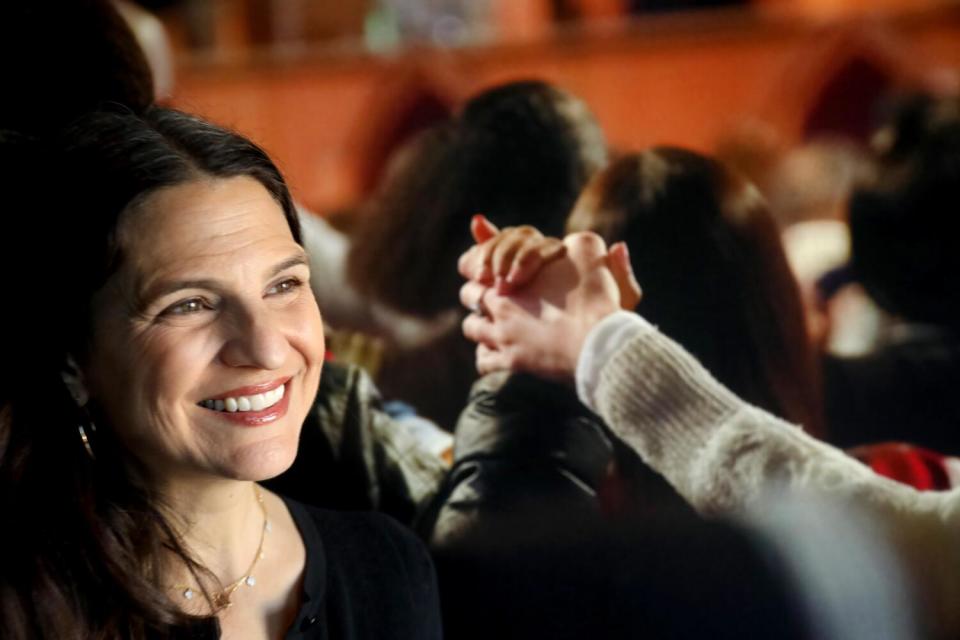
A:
(170, 286)
(167, 287)
(300, 258)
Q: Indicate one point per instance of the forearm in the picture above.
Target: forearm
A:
(718, 451)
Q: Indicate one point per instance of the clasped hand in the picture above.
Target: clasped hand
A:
(535, 299)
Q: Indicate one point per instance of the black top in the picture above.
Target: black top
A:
(904, 391)
(365, 577)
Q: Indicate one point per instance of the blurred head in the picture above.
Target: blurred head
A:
(714, 276)
(519, 153)
(531, 148)
(181, 290)
(63, 58)
(905, 251)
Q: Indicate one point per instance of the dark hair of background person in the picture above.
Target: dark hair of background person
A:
(904, 244)
(86, 540)
(519, 153)
(714, 276)
(63, 58)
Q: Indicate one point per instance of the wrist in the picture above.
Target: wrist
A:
(600, 343)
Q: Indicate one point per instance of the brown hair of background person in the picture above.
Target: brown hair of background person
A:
(707, 253)
(519, 153)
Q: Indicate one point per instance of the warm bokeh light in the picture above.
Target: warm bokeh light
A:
(331, 88)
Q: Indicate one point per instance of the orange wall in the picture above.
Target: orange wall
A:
(682, 80)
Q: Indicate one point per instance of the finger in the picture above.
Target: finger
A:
(490, 360)
(618, 260)
(585, 245)
(485, 256)
(497, 251)
(501, 259)
(482, 229)
(470, 294)
(531, 258)
(479, 329)
(475, 263)
(470, 263)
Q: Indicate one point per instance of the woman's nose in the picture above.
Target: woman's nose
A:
(256, 340)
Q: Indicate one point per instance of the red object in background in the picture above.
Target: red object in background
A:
(917, 467)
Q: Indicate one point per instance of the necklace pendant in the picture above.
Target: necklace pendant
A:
(250, 580)
(188, 593)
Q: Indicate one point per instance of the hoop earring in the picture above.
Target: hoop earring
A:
(85, 439)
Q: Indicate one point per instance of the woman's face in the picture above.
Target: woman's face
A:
(207, 343)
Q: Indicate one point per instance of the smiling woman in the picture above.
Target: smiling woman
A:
(220, 311)
(183, 327)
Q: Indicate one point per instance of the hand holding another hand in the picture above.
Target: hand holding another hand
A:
(509, 258)
(536, 299)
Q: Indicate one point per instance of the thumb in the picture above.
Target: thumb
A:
(618, 261)
(482, 229)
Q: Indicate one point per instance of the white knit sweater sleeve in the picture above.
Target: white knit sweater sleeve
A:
(719, 452)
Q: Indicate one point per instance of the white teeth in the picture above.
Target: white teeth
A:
(257, 402)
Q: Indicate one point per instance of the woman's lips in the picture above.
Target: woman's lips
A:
(257, 418)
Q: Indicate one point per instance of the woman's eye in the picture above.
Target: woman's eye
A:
(187, 307)
(285, 286)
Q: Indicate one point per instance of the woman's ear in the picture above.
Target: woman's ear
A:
(73, 379)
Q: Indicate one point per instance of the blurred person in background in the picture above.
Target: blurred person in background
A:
(152, 37)
(714, 274)
(63, 58)
(519, 153)
(905, 254)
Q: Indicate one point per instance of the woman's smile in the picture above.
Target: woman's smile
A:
(253, 405)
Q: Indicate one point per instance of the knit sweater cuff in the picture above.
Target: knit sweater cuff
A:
(603, 341)
(658, 398)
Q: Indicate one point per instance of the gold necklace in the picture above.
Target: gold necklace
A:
(221, 599)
